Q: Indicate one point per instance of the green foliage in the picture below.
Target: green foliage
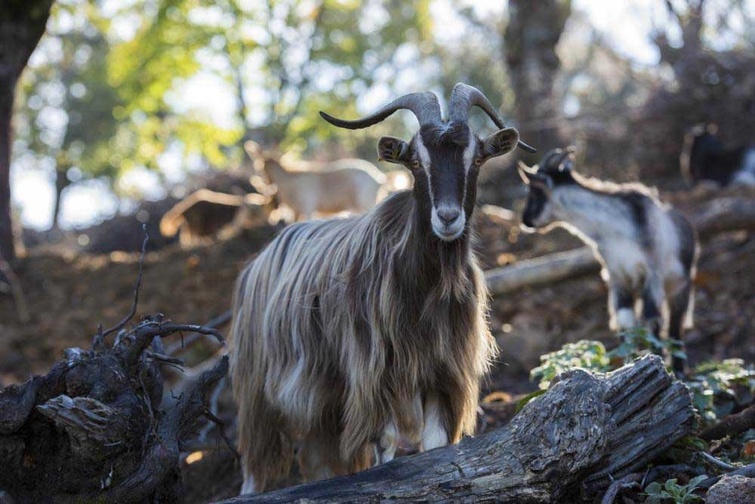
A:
(638, 341)
(672, 491)
(592, 355)
(717, 387)
(584, 354)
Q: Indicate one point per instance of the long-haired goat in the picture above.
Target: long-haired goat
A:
(704, 157)
(345, 185)
(350, 332)
(648, 251)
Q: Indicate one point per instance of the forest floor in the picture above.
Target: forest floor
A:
(69, 296)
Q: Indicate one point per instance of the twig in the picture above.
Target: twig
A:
(747, 471)
(16, 290)
(665, 471)
(731, 425)
(212, 409)
(144, 333)
(214, 323)
(131, 314)
(221, 430)
(628, 481)
(716, 462)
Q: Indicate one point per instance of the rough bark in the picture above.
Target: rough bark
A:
(533, 31)
(92, 428)
(22, 23)
(578, 436)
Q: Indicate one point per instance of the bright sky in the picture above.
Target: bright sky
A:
(626, 24)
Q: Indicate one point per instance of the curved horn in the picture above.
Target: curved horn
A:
(464, 97)
(424, 105)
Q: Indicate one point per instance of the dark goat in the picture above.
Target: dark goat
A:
(648, 251)
(705, 158)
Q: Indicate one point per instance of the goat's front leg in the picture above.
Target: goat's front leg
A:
(652, 303)
(434, 429)
(388, 443)
(621, 306)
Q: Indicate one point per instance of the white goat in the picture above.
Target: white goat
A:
(347, 185)
(648, 251)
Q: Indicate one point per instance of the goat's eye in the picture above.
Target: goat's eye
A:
(478, 161)
(415, 165)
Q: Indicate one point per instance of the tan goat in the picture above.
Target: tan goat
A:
(347, 185)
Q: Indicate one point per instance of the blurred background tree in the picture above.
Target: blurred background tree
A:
(66, 104)
(22, 23)
(140, 92)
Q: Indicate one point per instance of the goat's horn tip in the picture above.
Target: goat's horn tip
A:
(526, 147)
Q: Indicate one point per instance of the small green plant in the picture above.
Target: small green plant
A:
(717, 387)
(638, 341)
(671, 490)
(585, 354)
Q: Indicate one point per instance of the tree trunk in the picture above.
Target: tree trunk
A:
(533, 32)
(7, 86)
(61, 183)
(22, 23)
(582, 433)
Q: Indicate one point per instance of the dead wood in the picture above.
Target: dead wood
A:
(731, 425)
(541, 271)
(583, 433)
(717, 216)
(92, 428)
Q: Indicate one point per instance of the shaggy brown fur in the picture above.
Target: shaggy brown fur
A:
(344, 327)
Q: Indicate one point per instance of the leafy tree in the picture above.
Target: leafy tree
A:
(22, 23)
(70, 79)
(284, 59)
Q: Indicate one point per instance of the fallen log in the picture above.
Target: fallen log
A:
(541, 270)
(717, 216)
(585, 431)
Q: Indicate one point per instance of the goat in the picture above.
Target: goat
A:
(648, 251)
(347, 185)
(352, 331)
(704, 157)
(205, 213)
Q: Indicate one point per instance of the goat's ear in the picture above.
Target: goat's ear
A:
(568, 162)
(499, 143)
(393, 150)
(533, 178)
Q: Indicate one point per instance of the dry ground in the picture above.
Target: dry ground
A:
(69, 296)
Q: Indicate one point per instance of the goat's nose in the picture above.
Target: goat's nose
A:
(448, 215)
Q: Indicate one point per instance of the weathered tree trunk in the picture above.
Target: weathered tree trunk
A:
(532, 34)
(92, 428)
(584, 431)
(22, 23)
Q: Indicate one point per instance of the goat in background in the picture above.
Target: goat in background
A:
(348, 333)
(347, 185)
(204, 214)
(704, 158)
(648, 250)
